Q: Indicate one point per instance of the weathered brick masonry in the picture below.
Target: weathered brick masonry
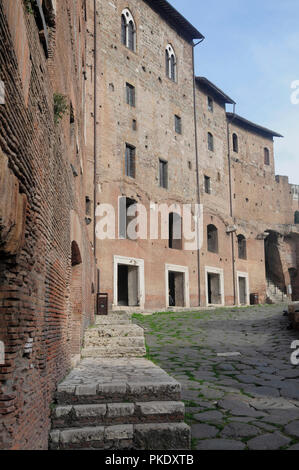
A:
(42, 212)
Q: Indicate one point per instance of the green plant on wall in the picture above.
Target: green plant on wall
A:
(29, 6)
(60, 107)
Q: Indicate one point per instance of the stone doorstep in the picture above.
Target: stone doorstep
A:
(119, 392)
(164, 436)
(117, 413)
(105, 352)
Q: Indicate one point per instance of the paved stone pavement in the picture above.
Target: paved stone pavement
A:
(247, 401)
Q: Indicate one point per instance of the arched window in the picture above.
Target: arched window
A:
(242, 247)
(212, 234)
(170, 63)
(235, 143)
(210, 142)
(297, 217)
(266, 156)
(175, 231)
(128, 30)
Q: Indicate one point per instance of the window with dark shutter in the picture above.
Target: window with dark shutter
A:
(266, 156)
(175, 231)
(207, 185)
(235, 143)
(210, 142)
(163, 174)
(130, 161)
(130, 94)
(178, 124)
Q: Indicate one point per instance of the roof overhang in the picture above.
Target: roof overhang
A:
(175, 19)
(239, 120)
(205, 84)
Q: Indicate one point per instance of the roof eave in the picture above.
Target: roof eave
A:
(259, 128)
(173, 17)
(221, 95)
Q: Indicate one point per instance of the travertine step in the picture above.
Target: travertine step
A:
(113, 351)
(127, 403)
(114, 392)
(168, 436)
(111, 331)
(117, 413)
(114, 319)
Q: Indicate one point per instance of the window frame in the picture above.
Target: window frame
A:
(216, 239)
(235, 143)
(266, 156)
(127, 20)
(207, 184)
(171, 63)
(210, 104)
(163, 176)
(130, 95)
(178, 124)
(130, 161)
(211, 146)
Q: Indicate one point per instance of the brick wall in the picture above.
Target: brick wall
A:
(44, 214)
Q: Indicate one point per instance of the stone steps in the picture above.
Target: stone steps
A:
(167, 436)
(117, 413)
(114, 340)
(119, 392)
(114, 319)
(121, 351)
(116, 400)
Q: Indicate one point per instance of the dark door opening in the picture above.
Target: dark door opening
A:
(242, 291)
(214, 293)
(176, 283)
(127, 286)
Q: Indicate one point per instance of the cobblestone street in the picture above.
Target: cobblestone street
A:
(246, 401)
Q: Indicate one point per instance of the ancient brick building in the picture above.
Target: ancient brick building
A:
(47, 275)
(102, 110)
(163, 137)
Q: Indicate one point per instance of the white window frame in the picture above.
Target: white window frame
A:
(129, 18)
(171, 53)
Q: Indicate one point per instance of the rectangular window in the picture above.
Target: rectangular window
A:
(125, 205)
(207, 185)
(130, 161)
(163, 174)
(210, 104)
(130, 94)
(178, 124)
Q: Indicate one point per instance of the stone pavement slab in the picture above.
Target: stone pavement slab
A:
(256, 393)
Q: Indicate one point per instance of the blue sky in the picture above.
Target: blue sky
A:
(251, 51)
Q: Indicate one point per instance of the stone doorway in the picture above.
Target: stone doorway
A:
(243, 291)
(214, 286)
(176, 283)
(127, 286)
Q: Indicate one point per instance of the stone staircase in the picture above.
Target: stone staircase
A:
(274, 294)
(115, 401)
(114, 336)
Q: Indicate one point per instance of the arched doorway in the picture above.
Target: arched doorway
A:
(76, 300)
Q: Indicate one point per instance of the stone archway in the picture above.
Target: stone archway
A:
(76, 301)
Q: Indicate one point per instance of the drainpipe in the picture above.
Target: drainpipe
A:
(197, 156)
(231, 204)
(95, 131)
